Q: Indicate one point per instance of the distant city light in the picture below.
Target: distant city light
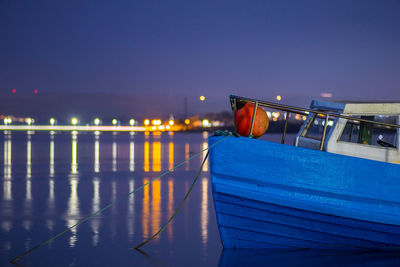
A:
(114, 121)
(156, 122)
(206, 123)
(131, 122)
(29, 121)
(74, 121)
(14, 90)
(96, 121)
(7, 120)
(35, 91)
(171, 122)
(167, 127)
(275, 114)
(202, 98)
(187, 121)
(278, 97)
(327, 95)
(146, 122)
(52, 121)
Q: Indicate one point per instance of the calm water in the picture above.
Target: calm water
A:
(51, 181)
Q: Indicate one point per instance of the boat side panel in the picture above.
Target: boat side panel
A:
(242, 220)
(266, 162)
(294, 197)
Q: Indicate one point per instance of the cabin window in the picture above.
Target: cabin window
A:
(316, 126)
(370, 134)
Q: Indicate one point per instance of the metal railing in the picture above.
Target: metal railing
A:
(302, 111)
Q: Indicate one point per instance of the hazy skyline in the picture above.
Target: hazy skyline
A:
(172, 49)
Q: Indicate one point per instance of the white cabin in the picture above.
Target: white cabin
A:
(352, 137)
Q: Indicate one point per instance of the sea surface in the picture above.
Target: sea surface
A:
(50, 181)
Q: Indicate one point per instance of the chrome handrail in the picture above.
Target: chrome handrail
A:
(303, 111)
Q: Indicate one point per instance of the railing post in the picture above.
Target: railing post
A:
(234, 108)
(324, 133)
(252, 119)
(351, 131)
(285, 129)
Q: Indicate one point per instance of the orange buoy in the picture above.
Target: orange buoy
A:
(244, 116)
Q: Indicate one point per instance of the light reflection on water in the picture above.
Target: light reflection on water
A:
(74, 161)
(100, 169)
(51, 181)
(73, 212)
(51, 155)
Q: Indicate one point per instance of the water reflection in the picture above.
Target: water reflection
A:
(74, 160)
(6, 224)
(131, 211)
(282, 257)
(113, 209)
(28, 190)
(28, 185)
(28, 157)
(7, 190)
(146, 209)
(95, 221)
(187, 150)
(156, 156)
(131, 156)
(146, 165)
(170, 155)
(51, 205)
(7, 185)
(73, 210)
(204, 148)
(7, 156)
(204, 210)
(114, 156)
(96, 154)
(156, 206)
(170, 229)
(51, 155)
(80, 192)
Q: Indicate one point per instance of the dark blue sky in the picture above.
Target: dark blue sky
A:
(172, 49)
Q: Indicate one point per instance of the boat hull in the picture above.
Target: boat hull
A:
(269, 195)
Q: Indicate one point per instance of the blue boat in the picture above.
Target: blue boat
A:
(339, 190)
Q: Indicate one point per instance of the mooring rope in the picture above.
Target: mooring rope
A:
(14, 260)
(180, 206)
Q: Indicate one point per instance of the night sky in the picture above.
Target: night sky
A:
(167, 50)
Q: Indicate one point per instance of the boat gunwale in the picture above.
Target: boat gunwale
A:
(306, 111)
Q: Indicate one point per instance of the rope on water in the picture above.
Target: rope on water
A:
(14, 260)
(177, 210)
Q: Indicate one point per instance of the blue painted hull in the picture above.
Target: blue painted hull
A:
(269, 195)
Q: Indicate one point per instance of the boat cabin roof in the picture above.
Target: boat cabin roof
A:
(358, 108)
(351, 137)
